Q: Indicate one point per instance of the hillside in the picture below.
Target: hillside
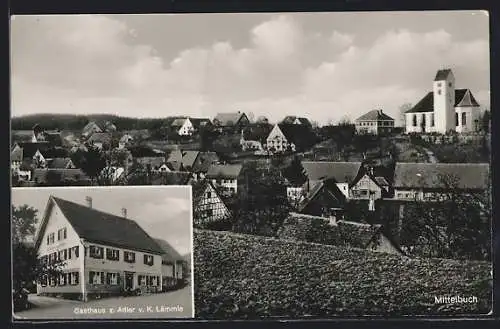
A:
(242, 276)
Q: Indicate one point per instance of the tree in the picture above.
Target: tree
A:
(92, 162)
(262, 207)
(452, 224)
(295, 172)
(26, 267)
(402, 112)
(138, 174)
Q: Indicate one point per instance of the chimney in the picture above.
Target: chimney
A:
(124, 212)
(89, 201)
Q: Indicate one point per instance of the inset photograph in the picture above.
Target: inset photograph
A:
(102, 253)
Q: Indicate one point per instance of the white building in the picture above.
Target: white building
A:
(100, 254)
(444, 109)
(375, 122)
(225, 176)
(183, 126)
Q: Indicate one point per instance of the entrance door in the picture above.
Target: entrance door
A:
(129, 280)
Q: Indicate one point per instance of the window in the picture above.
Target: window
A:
(52, 282)
(439, 84)
(96, 252)
(414, 120)
(464, 119)
(43, 280)
(209, 195)
(432, 119)
(141, 280)
(439, 91)
(62, 279)
(449, 84)
(63, 254)
(129, 257)
(148, 260)
(50, 238)
(112, 254)
(423, 120)
(456, 119)
(96, 277)
(112, 278)
(61, 234)
(74, 278)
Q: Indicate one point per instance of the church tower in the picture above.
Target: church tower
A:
(444, 101)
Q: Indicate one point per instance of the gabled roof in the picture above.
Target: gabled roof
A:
(104, 228)
(290, 119)
(228, 119)
(296, 227)
(55, 152)
(430, 175)
(104, 138)
(178, 122)
(143, 152)
(463, 97)
(41, 174)
(198, 189)
(186, 158)
(375, 115)
(172, 178)
(300, 135)
(29, 149)
(169, 252)
(442, 74)
(342, 172)
(327, 186)
(200, 122)
(232, 171)
(204, 161)
(59, 163)
(380, 181)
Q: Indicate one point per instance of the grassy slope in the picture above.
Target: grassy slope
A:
(239, 276)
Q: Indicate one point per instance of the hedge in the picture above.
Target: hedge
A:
(242, 277)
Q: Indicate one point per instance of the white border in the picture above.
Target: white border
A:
(16, 318)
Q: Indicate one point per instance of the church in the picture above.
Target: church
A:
(444, 109)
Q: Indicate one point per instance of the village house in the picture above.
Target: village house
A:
(375, 122)
(347, 234)
(291, 119)
(125, 141)
(172, 272)
(57, 176)
(148, 157)
(208, 207)
(324, 199)
(183, 126)
(101, 140)
(172, 178)
(231, 121)
(60, 163)
(290, 138)
(426, 181)
(343, 173)
(226, 176)
(368, 186)
(101, 254)
(97, 127)
(444, 109)
(195, 162)
(52, 137)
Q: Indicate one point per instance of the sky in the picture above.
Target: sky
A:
(163, 212)
(326, 66)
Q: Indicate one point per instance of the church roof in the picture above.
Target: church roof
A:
(463, 97)
(442, 75)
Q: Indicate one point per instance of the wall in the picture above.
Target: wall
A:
(444, 104)
(227, 183)
(213, 203)
(276, 140)
(56, 221)
(472, 114)
(344, 188)
(187, 128)
(365, 184)
(120, 266)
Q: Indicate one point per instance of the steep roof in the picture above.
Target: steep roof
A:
(224, 171)
(99, 227)
(327, 186)
(204, 161)
(54, 152)
(169, 252)
(101, 137)
(374, 115)
(59, 163)
(186, 158)
(442, 74)
(297, 227)
(463, 97)
(172, 178)
(178, 122)
(342, 172)
(198, 189)
(228, 119)
(290, 119)
(300, 135)
(143, 152)
(41, 174)
(200, 122)
(29, 149)
(429, 175)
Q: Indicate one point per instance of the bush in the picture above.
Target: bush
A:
(242, 276)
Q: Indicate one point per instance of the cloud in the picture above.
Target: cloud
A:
(93, 63)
